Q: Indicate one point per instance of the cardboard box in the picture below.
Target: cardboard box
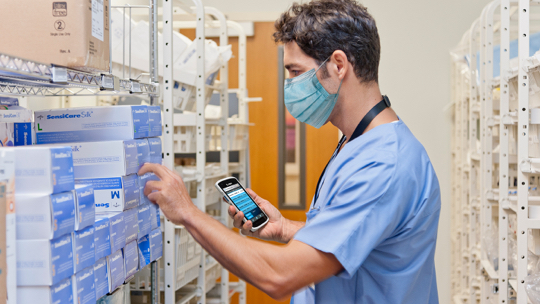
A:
(60, 293)
(131, 259)
(115, 266)
(43, 170)
(70, 33)
(143, 151)
(144, 251)
(154, 121)
(114, 194)
(117, 229)
(15, 114)
(156, 244)
(88, 124)
(45, 216)
(155, 216)
(132, 224)
(44, 262)
(104, 158)
(155, 150)
(84, 291)
(14, 134)
(145, 220)
(7, 203)
(85, 208)
(83, 249)
(102, 238)
(143, 179)
(101, 277)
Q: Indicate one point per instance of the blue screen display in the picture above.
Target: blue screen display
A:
(243, 202)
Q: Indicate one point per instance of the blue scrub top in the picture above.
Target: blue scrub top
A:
(377, 213)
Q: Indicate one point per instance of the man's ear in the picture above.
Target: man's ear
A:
(340, 64)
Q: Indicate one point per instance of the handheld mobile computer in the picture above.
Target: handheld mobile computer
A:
(236, 195)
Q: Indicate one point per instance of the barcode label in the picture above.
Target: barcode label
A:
(135, 87)
(107, 82)
(59, 74)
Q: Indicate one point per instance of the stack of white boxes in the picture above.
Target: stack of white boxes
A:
(55, 243)
(110, 145)
(16, 127)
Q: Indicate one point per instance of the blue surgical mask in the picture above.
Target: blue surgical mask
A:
(307, 100)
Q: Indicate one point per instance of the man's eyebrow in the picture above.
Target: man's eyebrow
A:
(291, 65)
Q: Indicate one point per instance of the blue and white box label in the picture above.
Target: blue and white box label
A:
(132, 224)
(102, 238)
(155, 150)
(45, 216)
(131, 259)
(116, 270)
(144, 251)
(156, 244)
(101, 278)
(84, 286)
(154, 121)
(85, 208)
(145, 220)
(91, 124)
(83, 248)
(114, 194)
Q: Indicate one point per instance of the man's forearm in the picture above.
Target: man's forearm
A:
(246, 258)
(289, 229)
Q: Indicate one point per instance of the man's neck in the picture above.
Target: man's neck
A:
(354, 102)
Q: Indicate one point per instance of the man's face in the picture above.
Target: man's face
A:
(296, 61)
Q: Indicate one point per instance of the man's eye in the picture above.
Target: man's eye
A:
(295, 72)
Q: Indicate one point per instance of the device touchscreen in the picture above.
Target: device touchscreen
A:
(243, 202)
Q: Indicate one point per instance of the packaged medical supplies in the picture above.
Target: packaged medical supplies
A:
(131, 259)
(154, 121)
(145, 220)
(84, 291)
(104, 158)
(102, 238)
(43, 170)
(68, 125)
(113, 194)
(85, 208)
(15, 114)
(115, 267)
(155, 150)
(45, 216)
(132, 224)
(101, 277)
(83, 249)
(44, 262)
(13, 134)
(117, 229)
(59, 293)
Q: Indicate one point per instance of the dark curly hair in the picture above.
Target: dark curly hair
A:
(321, 27)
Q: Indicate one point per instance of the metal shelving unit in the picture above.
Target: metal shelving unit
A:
(494, 176)
(23, 77)
(199, 124)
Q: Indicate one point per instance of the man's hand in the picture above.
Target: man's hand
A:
(272, 231)
(169, 193)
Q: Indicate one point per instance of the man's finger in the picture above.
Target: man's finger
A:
(232, 211)
(247, 226)
(238, 220)
(152, 186)
(159, 170)
(153, 197)
(252, 193)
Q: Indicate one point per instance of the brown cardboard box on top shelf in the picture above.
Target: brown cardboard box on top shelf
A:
(71, 33)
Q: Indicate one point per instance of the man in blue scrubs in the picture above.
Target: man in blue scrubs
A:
(371, 229)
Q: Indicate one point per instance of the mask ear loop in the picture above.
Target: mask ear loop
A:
(322, 65)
